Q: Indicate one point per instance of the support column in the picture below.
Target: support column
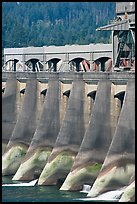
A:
(69, 137)
(119, 163)
(23, 131)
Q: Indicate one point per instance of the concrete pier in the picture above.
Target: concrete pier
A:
(70, 126)
(129, 193)
(10, 100)
(45, 135)
(23, 130)
(119, 163)
(95, 143)
(69, 138)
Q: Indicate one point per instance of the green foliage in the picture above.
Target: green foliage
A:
(54, 23)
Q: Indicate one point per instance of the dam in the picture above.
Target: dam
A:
(71, 128)
(63, 124)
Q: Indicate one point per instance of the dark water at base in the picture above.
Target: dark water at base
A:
(38, 193)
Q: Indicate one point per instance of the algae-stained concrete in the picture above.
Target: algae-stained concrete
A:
(57, 169)
(12, 157)
(10, 100)
(119, 163)
(129, 192)
(96, 140)
(32, 164)
(45, 135)
(23, 130)
(69, 138)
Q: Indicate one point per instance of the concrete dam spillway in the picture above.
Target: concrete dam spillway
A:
(70, 128)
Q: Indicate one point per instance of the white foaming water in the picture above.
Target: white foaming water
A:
(86, 188)
(112, 194)
(108, 196)
(31, 183)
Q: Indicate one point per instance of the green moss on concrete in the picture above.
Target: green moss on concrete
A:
(36, 162)
(17, 153)
(100, 183)
(121, 174)
(61, 164)
(94, 168)
(12, 159)
(128, 194)
(40, 156)
(76, 178)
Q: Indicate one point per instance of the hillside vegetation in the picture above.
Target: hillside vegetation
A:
(55, 23)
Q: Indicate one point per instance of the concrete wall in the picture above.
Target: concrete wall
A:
(119, 163)
(81, 126)
(10, 106)
(65, 53)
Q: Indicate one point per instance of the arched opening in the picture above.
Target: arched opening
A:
(64, 103)
(79, 64)
(92, 94)
(54, 65)
(3, 89)
(10, 65)
(34, 65)
(42, 96)
(102, 64)
(22, 91)
(119, 98)
(91, 99)
(66, 93)
(43, 92)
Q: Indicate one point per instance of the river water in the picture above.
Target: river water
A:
(39, 193)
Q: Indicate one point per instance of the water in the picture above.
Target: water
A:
(113, 194)
(36, 193)
(48, 193)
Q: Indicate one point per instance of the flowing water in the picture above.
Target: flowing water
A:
(50, 193)
(111, 196)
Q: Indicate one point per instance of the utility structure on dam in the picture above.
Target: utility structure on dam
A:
(74, 127)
